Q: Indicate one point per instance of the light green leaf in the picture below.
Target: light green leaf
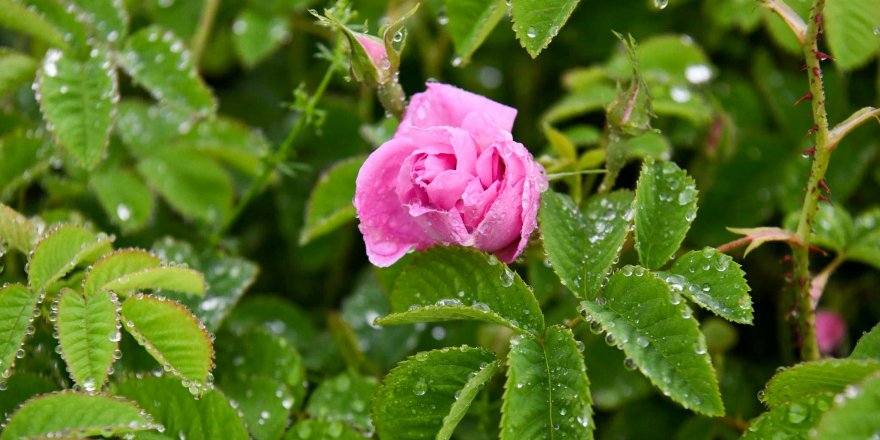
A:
(851, 26)
(173, 336)
(345, 398)
(854, 415)
(445, 283)
(160, 62)
(88, 332)
(227, 279)
(664, 59)
(78, 100)
(306, 429)
(207, 418)
(62, 249)
(426, 395)
(17, 308)
(194, 185)
(666, 204)
(536, 22)
(66, 21)
(16, 229)
(715, 282)
(117, 264)
(660, 336)
(16, 69)
(582, 246)
(803, 381)
(264, 404)
(868, 346)
(105, 18)
(24, 156)
(125, 198)
(781, 33)
(257, 35)
(16, 17)
(547, 393)
(470, 22)
(173, 278)
(791, 421)
(330, 204)
(67, 414)
(865, 244)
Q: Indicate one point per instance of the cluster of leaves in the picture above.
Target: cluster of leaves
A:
(156, 119)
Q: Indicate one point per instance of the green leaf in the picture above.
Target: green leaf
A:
(146, 128)
(275, 314)
(116, 265)
(832, 227)
(781, 33)
(17, 309)
(810, 379)
(60, 250)
(16, 17)
(88, 332)
(854, 415)
(159, 61)
(16, 69)
(330, 204)
(66, 20)
(207, 418)
(173, 278)
(445, 283)
(851, 26)
(257, 35)
(536, 22)
(68, 414)
(125, 198)
(426, 395)
(227, 279)
(24, 156)
(612, 384)
(662, 59)
(194, 185)
(224, 139)
(666, 204)
(792, 421)
(264, 404)
(660, 336)
(258, 353)
(321, 429)
(470, 22)
(20, 387)
(547, 393)
(78, 100)
(16, 229)
(868, 346)
(582, 246)
(715, 282)
(345, 398)
(865, 244)
(106, 18)
(173, 336)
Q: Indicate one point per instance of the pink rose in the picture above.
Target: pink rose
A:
(452, 175)
(830, 330)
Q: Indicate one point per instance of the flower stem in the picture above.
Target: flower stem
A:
(822, 155)
(206, 21)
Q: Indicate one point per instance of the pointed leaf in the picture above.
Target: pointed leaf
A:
(426, 395)
(854, 415)
(78, 100)
(16, 229)
(345, 398)
(852, 31)
(106, 18)
(88, 331)
(67, 414)
(17, 308)
(445, 283)
(159, 61)
(330, 204)
(125, 198)
(15, 16)
(117, 264)
(173, 278)
(660, 335)
(868, 346)
(547, 393)
(715, 282)
(470, 22)
(173, 336)
(582, 247)
(257, 35)
(536, 22)
(806, 380)
(60, 250)
(666, 204)
(210, 417)
(792, 421)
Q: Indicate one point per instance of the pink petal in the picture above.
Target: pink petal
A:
(830, 330)
(445, 105)
(447, 188)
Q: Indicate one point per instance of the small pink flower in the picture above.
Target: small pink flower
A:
(830, 330)
(452, 175)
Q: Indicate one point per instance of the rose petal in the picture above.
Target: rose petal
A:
(446, 189)
(445, 105)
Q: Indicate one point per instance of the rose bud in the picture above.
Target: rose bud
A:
(830, 330)
(451, 175)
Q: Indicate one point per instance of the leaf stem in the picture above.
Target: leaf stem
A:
(801, 281)
(206, 21)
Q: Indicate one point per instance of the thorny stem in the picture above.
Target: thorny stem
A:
(278, 157)
(206, 21)
(801, 275)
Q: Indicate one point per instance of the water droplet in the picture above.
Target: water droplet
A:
(531, 32)
(421, 387)
(661, 4)
(698, 73)
(629, 364)
(507, 278)
(642, 341)
(797, 413)
(123, 212)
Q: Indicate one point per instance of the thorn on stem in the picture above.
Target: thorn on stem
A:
(822, 56)
(825, 199)
(824, 186)
(817, 72)
(817, 250)
(809, 152)
(813, 130)
(809, 95)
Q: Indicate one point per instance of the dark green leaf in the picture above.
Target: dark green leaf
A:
(124, 196)
(330, 204)
(865, 245)
(24, 156)
(257, 35)
(15, 69)
(20, 387)
(868, 346)
(715, 282)
(258, 353)
(264, 404)
(536, 22)
(666, 204)
(345, 398)
(88, 332)
(320, 429)
(470, 22)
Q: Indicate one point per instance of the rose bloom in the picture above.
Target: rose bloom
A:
(451, 175)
